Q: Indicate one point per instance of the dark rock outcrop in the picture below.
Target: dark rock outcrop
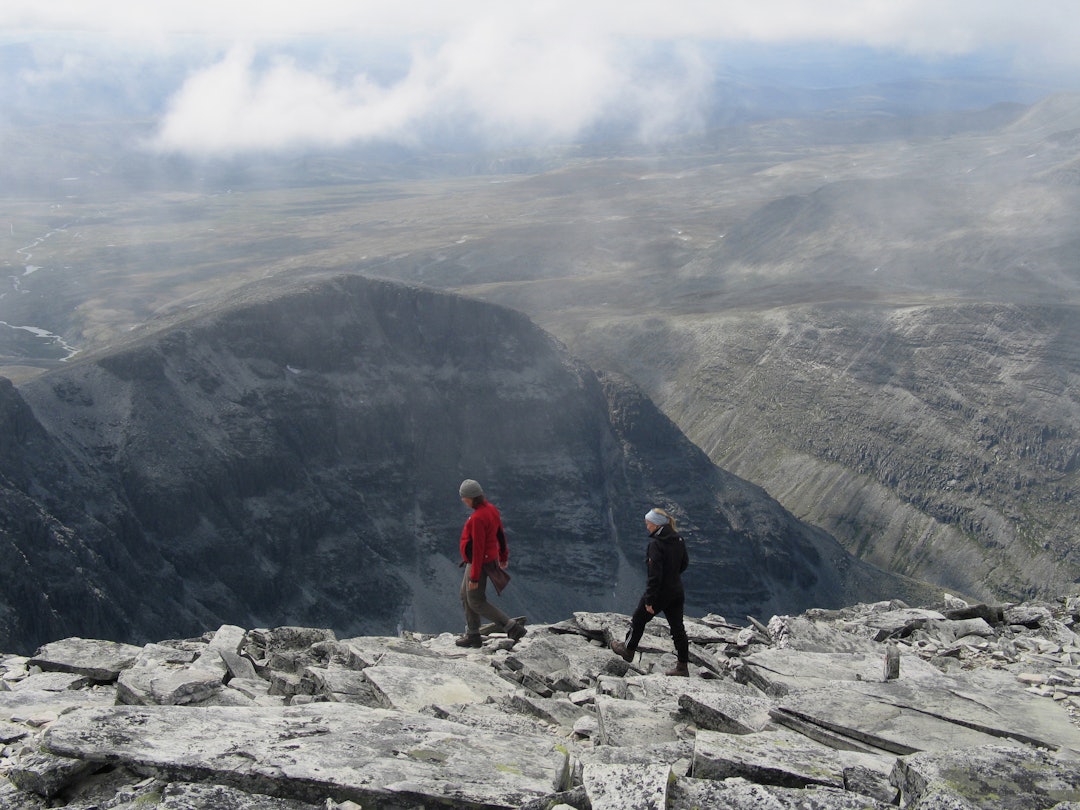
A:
(292, 456)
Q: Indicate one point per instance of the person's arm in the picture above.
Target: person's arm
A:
(654, 560)
(482, 531)
(504, 550)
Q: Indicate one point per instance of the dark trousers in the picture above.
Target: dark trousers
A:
(477, 606)
(673, 612)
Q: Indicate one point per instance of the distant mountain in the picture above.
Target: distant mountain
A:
(292, 456)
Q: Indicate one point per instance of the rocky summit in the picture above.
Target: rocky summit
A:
(880, 705)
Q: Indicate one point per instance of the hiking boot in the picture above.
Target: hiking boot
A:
(469, 640)
(620, 650)
(681, 670)
(515, 631)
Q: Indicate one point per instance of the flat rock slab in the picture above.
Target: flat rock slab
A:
(186, 796)
(778, 757)
(365, 651)
(101, 661)
(882, 724)
(726, 712)
(19, 706)
(413, 688)
(906, 716)
(891, 623)
(628, 723)
(545, 656)
(9, 732)
(778, 672)
(627, 787)
(694, 794)
(1002, 702)
(990, 778)
(169, 685)
(801, 633)
(308, 753)
(666, 692)
(50, 682)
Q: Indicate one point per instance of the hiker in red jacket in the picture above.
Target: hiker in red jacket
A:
(482, 543)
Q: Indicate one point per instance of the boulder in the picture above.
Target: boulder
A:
(345, 751)
(101, 661)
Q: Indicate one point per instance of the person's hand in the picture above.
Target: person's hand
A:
(473, 585)
(649, 609)
(504, 565)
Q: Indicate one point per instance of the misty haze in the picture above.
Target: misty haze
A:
(276, 279)
(856, 291)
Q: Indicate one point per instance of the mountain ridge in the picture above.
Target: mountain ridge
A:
(293, 454)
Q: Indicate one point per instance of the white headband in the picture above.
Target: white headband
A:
(656, 518)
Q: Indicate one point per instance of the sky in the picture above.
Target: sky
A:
(230, 76)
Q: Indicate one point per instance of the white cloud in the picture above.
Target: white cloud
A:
(495, 79)
(230, 106)
(549, 68)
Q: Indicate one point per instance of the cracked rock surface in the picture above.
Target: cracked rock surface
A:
(797, 712)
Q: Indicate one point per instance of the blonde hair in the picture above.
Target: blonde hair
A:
(669, 516)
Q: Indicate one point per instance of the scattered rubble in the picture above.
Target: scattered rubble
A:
(873, 706)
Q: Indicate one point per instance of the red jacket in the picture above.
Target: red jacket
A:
(482, 540)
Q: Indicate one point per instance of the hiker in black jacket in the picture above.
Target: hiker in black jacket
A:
(666, 559)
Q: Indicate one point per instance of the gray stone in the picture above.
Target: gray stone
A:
(169, 685)
(1027, 615)
(627, 787)
(411, 689)
(809, 635)
(988, 777)
(630, 723)
(27, 704)
(727, 713)
(51, 682)
(188, 796)
(837, 729)
(46, 774)
(228, 638)
(586, 725)
(13, 798)
(777, 757)
(101, 661)
(777, 672)
(164, 654)
(344, 686)
(9, 732)
(325, 749)
(694, 794)
(239, 666)
(905, 716)
(252, 688)
(554, 711)
(898, 623)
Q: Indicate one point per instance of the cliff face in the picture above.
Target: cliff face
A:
(293, 455)
(935, 441)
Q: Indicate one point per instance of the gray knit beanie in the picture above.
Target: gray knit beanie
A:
(470, 489)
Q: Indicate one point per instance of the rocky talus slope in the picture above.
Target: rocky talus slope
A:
(873, 706)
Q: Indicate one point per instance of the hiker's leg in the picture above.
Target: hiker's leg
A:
(637, 626)
(480, 606)
(472, 618)
(673, 612)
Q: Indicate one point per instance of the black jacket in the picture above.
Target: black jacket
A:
(666, 559)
